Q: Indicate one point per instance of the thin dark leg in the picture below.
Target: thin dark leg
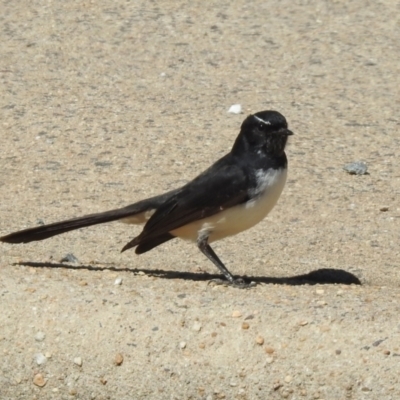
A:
(206, 249)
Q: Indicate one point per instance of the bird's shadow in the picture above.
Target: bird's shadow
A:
(318, 276)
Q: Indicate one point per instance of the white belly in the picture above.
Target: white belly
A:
(239, 218)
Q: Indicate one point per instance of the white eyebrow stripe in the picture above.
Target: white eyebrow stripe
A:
(261, 120)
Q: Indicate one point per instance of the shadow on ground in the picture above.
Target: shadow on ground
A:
(319, 276)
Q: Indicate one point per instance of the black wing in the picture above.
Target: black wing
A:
(223, 185)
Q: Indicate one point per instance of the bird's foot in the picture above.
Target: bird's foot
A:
(237, 283)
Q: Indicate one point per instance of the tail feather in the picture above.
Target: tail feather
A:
(57, 228)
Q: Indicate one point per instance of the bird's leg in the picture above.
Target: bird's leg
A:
(205, 248)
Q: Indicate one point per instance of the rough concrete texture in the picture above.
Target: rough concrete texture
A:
(107, 102)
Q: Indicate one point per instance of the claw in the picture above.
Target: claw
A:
(237, 283)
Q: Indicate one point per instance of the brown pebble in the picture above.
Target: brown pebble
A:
(386, 352)
(213, 334)
(260, 340)
(384, 209)
(245, 325)
(269, 350)
(39, 380)
(83, 283)
(103, 380)
(202, 346)
(119, 359)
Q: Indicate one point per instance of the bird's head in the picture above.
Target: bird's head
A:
(265, 131)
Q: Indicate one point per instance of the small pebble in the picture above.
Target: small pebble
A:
(236, 314)
(260, 340)
(288, 379)
(39, 380)
(40, 359)
(118, 281)
(69, 258)
(235, 109)
(202, 345)
(269, 350)
(386, 352)
(277, 385)
(196, 326)
(378, 342)
(269, 360)
(119, 359)
(182, 345)
(103, 380)
(78, 361)
(338, 351)
(356, 168)
(245, 325)
(320, 291)
(40, 336)
(303, 323)
(384, 209)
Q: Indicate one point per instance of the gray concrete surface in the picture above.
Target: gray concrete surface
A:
(106, 102)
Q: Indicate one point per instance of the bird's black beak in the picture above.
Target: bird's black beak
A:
(285, 131)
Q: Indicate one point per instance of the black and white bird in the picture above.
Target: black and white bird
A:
(232, 195)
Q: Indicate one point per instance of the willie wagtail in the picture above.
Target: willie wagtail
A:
(232, 195)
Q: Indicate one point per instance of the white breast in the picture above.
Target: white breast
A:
(239, 218)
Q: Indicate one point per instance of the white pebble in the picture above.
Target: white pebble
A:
(288, 379)
(235, 109)
(197, 326)
(78, 361)
(182, 345)
(40, 336)
(40, 359)
(118, 281)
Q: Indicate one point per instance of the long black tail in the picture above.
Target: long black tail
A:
(57, 228)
